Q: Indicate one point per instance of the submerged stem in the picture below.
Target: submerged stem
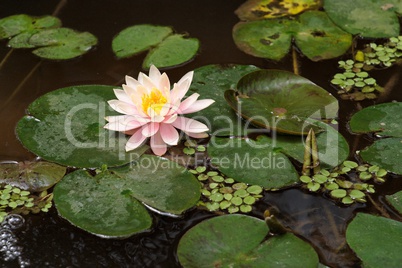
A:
(295, 61)
(314, 153)
(6, 57)
(380, 209)
(307, 155)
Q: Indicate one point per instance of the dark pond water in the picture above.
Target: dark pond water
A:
(49, 241)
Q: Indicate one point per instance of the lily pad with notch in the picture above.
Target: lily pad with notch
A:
(395, 200)
(110, 204)
(314, 33)
(281, 101)
(217, 242)
(65, 126)
(31, 176)
(20, 28)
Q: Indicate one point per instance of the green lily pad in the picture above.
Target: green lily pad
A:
(385, 153)
(210, 82)
(268, 9)
(62, 43)
(174, 50)
(333, 148)
(66, 126)
(281, 101)
(314, 33)
(395, 200)
(21, 27)
(368, 18)
(217, 242)
(376, 240)
(108, 204)
(384, 119)
(252, 162)
(100, 205)
(31, 176)
(138, 38)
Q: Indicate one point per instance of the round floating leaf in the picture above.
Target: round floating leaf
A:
(66, 126)
(333, 148)
(384, 119)
(281, 101)
(100, 205)
(210, 82)
(161, 184)
(138, 38)
(174, 50)
(368, 18)
(31, 176)
(21, 27)
(396, 200)
(385, 153)
(316, 36)
(107, 205)
(376, 240)
(268, 9)
(217, 242)
(252, 162)
(62, 43)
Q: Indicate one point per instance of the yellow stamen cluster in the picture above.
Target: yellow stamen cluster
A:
(154, 100)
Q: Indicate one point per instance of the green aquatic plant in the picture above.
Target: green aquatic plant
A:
(220, 193)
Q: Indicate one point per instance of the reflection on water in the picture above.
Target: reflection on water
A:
(50, 241)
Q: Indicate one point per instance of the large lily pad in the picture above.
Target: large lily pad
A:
(241, 241)
(281, 101)
(62, 43)
(368, 18)
(21, 27)
(386, 153)
(108, 204)
(396, 200)
(268, 9)
(376, 240)
(253, 162)
(210, 82)
(138, 38)
(174, 50)
(333, 148)
(31, 176)
(314, 33)
(66, 126)
(384, 119)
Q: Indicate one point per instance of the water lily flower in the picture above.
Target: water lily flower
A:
(152, 109)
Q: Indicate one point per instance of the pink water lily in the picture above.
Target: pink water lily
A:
(152, 110)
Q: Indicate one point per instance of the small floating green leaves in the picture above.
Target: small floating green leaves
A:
(31, 176)
(21, 27)
(44, 34)
(217, 242)
(66, 126)
(376, 240)
(368, 18)
(62, 43)
(166, 49)
(314, 33)
(271, 99)
(109, 204)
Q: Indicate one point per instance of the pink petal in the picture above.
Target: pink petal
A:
(197, 106)
(131, 82)
(154, 116)
(187, 102)
(158, 146)
(121, 95)
(164, 85)
(147, 82)
(150, 129)
(135, 141)
(122, 107)
(169, 134)
(154, 74)
(170, 119)
(197, 135)
(180, 88)
(189, 125)
(122, 123)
